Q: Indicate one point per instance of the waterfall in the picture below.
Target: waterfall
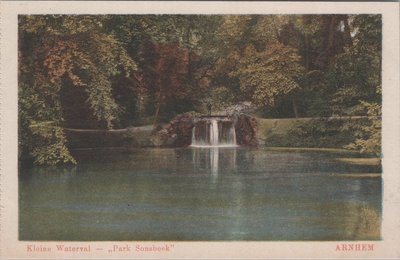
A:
(233, 135)
(214, 137)
(194, 136)
(214, 132)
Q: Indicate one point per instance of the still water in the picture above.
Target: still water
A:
(199, 194)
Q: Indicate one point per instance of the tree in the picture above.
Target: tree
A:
(165, 71)
(318, 39)
(58, 52)
(266, 75)
(371, 134)
(111, 70)
(358, 72)
(246, 41)
(153, 39)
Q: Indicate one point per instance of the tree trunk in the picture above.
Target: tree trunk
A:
(188, 41)
(156, 114)
(295, 111)
(330, 23)
(307, 51)
(331, 36)
(307, 22)
(349, 42)
(158, 100)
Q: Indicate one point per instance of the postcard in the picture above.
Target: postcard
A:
(187, 130)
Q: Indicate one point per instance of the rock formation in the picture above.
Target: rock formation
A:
(246, 130)
(178, 132)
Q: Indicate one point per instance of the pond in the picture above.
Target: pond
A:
(197, 194)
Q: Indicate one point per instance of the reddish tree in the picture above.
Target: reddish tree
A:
(165, 73)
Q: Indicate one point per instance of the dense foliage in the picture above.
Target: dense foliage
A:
(107, 71)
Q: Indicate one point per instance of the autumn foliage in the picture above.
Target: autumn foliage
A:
(112, 71)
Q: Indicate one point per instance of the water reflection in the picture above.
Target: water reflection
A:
(214, 159)
(200, 194)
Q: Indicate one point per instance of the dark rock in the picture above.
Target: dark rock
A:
(160, 137)
(246, 130)
(177, 133)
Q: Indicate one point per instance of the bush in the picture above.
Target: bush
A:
(318, 133)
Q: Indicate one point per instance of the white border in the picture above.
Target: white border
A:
(388, 248)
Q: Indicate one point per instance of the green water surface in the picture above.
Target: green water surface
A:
(196, 194)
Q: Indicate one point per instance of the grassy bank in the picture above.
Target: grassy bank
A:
(304, 133)
(309, 132)
(128, 137)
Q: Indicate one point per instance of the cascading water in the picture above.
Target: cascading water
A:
(209, 134)
(233, 135)
(214, 136)
(214, 132)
